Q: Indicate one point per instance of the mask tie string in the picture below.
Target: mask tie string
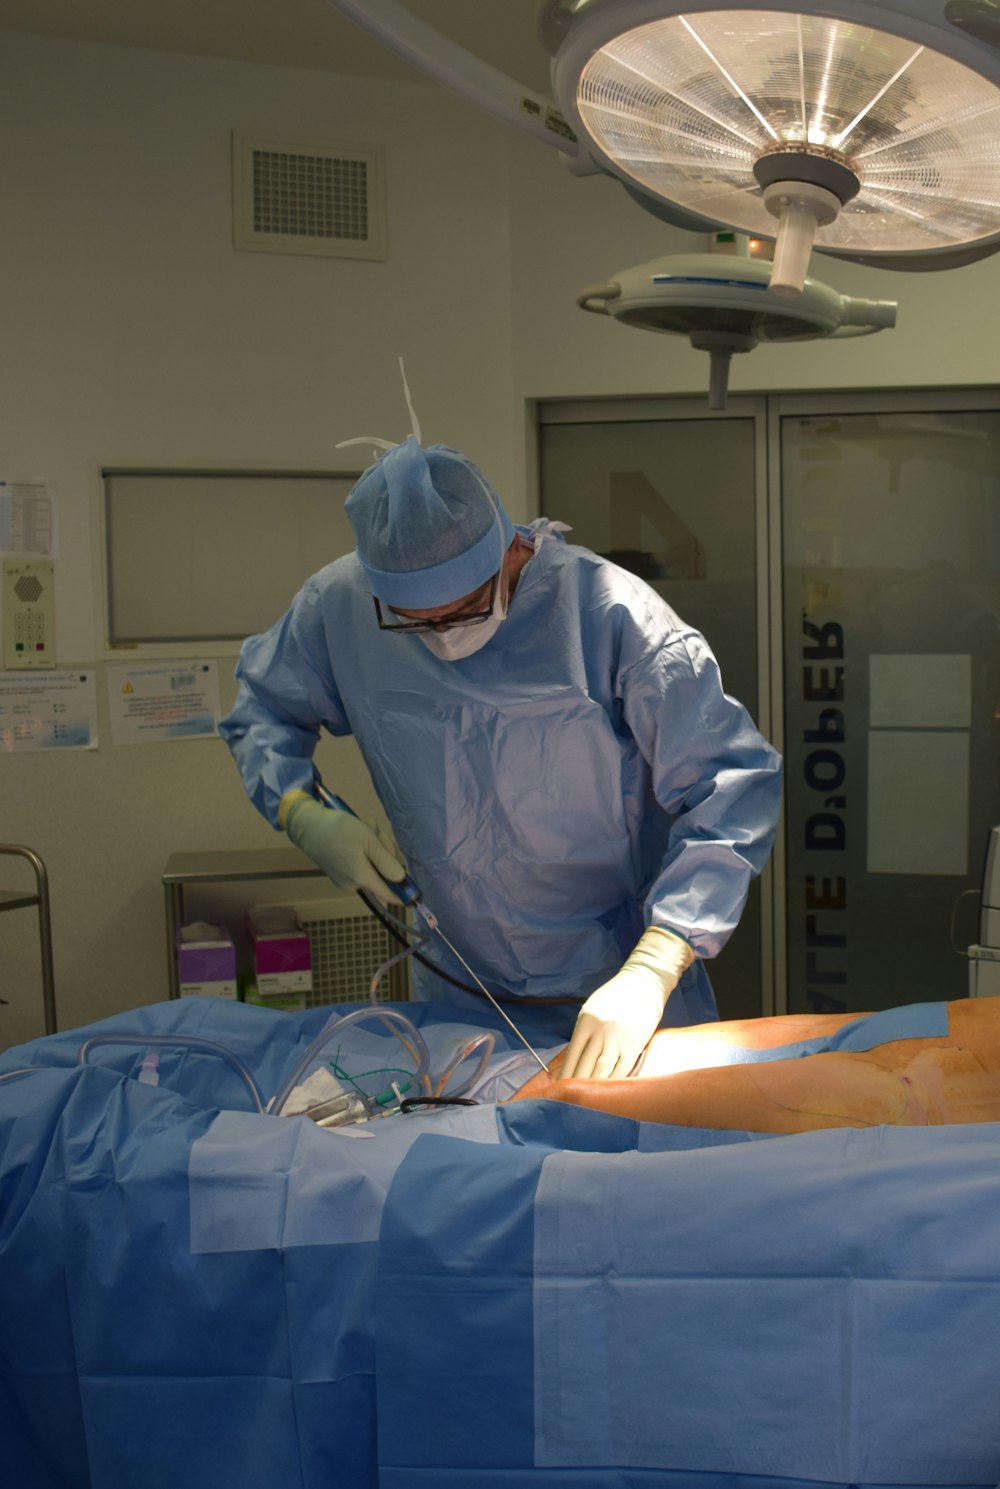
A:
(388, 444)
(414, 421)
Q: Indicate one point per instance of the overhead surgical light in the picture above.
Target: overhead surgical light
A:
(723, 305)
(871, 130)
(855, 130)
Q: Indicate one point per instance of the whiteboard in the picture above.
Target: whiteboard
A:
(195, 556)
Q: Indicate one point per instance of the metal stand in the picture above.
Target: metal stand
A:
(21, 899)
(184, 869)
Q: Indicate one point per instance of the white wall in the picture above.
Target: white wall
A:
(132, 331)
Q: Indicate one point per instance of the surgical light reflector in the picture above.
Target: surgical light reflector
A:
(695, 109)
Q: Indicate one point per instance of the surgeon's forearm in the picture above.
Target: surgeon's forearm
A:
(273, 756)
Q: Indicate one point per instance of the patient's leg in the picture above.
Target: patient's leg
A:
(906, 1082)
(835, 1090)
(705, 1045)
(702, 1046)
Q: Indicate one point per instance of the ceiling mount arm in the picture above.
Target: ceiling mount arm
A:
(412, 39)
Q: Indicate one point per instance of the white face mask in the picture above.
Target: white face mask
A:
(462, 641)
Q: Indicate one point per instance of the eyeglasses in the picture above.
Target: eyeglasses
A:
(447, 622)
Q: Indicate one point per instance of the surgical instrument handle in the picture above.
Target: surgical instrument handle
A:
(406, 888)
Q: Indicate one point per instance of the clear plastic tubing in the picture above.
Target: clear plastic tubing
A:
(9, 1075)
(177, 1041)
(386, 1015)
(488, 1041)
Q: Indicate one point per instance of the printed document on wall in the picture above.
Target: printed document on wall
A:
(29, 512)
(178, 700)
(54, 712)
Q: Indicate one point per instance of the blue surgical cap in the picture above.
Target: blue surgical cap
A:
(428, 526)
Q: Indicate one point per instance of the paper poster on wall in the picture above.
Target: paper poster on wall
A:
(920, 691)
(918, 801)
(54, 712)
(173, 700)
(28, 518)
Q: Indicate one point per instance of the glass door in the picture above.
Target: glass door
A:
(841, 553)
(890, 651)
(678, 496)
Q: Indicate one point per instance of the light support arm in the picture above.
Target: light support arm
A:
(863, 316)
(800, 209)
(451, 65)
(805, 187)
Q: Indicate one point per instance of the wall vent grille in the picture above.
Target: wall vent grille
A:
(295, 196)
(348, 947)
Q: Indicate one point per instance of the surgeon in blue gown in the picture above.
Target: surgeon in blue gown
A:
(582, 804)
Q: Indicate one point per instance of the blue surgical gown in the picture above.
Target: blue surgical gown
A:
(581, 777)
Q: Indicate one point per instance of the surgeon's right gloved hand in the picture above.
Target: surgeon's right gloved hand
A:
(617, 1021)
(349, 851)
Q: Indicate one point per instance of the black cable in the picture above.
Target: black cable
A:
(393, 929)
(413, 1103)
(378, 911)
(391, 926)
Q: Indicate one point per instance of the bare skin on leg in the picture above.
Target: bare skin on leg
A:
(907, 1082)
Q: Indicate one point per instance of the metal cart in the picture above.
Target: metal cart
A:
(20, 899)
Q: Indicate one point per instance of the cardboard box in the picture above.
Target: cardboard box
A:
(281, 953)
(285, 1002)
(206, 961)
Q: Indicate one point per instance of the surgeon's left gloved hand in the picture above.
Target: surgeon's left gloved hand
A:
(617, 1021)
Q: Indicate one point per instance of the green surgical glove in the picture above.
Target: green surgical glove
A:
(349, 851)
(617, 1021)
